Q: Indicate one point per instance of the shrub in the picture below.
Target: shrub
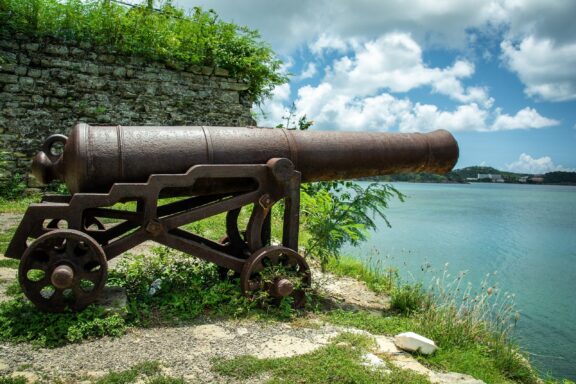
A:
(338, 213)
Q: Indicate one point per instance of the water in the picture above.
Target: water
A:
(527, 233)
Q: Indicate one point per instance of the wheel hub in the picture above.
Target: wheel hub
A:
(62, 277)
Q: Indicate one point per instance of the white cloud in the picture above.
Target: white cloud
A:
(547, 69)
(524, 119)
(424, 118)
(530, 165)
(274, 109)
(309, 72)
(291, 24)
(394, 62)
(358, 93)
(328, 43)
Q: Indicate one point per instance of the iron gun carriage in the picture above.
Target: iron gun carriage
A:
(64, 242)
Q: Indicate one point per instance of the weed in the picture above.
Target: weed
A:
(146, 369)
(409, 298)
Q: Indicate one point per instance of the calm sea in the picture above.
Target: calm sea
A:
(524, 233)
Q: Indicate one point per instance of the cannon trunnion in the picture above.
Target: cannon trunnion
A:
(65, 242)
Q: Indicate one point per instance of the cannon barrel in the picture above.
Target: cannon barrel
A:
(96, 157)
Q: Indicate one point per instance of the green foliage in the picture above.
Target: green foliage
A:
(21, 321)
(293, 123)
(175, 287)
(13, 188)
(169, 286)
(335, 214)
(339, 362)
(171, 35)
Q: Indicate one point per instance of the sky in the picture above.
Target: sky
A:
(499, 74)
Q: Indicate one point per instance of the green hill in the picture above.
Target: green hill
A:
(465, 174)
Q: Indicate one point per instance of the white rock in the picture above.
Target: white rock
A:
(413, 342)
(371, 360)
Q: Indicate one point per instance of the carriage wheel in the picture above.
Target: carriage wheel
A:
(63, 269)
(276, 272)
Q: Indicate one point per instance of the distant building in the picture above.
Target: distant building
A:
(537, 179)
(489, 177)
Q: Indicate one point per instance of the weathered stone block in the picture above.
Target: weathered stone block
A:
(11, 88)
(34, 73)
(77, 52)
(8, 57)
(21, 70)
(31, 47)
(234, 86)
(119, 72)
(26, 82)
(37, 99)
(60, 92)
(8, 44)
(23, 59)
(59, 50)
(90, 68)
(7, 67)
(221, 72)
(8, 78)
(229, 97)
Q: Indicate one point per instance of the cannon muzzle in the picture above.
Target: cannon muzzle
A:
(96, 157)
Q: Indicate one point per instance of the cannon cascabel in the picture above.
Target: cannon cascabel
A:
(96, 157)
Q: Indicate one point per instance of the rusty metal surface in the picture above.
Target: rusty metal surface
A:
(94, 158)
(211, 171)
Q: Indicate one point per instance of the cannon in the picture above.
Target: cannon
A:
(175, 176)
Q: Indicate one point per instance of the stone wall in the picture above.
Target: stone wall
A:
(47, 86)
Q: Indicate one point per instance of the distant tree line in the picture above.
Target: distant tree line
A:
(463, 175)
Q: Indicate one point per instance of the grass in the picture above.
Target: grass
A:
(148, 372)
(339, 362)
(5, 238)
(373, 277)
(9, 263)
(18, 205)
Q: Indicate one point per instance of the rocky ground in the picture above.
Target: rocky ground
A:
(187, 351)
